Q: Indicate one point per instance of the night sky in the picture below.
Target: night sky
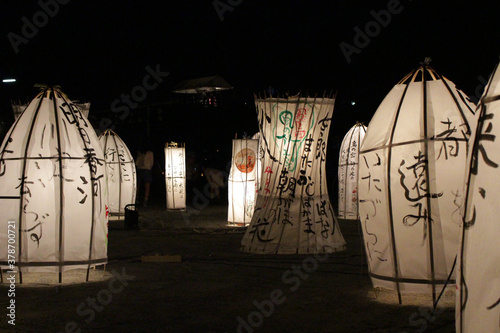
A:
(98, 50)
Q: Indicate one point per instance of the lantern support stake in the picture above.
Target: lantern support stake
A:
(389, 197)
(428, 178)
(61, 194)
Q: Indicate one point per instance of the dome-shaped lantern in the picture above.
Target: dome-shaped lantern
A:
(52, 189)
(411, 173)
(478, 305)
(348, 172)
(293, 213)
(120, 173)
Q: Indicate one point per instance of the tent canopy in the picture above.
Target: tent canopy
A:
(202, 85)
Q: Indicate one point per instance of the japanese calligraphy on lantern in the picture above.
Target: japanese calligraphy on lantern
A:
(52, 181)
(348, 172)
(242, 182)
(411, 168)
(293, 212)
(175, 176)
(478, 305)
(120, 173)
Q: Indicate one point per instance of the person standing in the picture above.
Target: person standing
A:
(144, 163)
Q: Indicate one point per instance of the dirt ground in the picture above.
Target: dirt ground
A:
(217, 288)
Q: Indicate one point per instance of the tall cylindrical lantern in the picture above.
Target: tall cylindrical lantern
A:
(120, 173)
(478, 294)
(175, 175)
(293, 213)
(411, 171)
(53, 189)
(242, 182)
(348, 172)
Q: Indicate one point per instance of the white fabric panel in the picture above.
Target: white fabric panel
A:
(410, 124)
(410, 188)
(382, 122)
(348, 172)
(120, 172)
(478, 297)
(242, 181)
(175, 177)
(293, 212)
(52, 184)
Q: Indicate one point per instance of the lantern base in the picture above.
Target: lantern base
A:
(131, 217)
(238, 224)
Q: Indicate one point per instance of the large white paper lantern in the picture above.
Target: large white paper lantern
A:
(478, 297)
(348, 172)
(175, 176)
(293, 212)
(242, 183)
(120, 173)
(411, 173)
(53, 188)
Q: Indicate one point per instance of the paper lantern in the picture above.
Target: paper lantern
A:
(242, 182)
(411, 171)
(53, 188)
(175, 176)
(293, 212)
(478, 297)
(348, 172)
(120, 173)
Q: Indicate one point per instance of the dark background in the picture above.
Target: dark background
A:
(98, 50)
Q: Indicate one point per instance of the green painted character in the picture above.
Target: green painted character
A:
(291, 135)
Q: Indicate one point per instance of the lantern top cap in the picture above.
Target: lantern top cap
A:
(330, 99)
(173, 144)
(423, 72)
(108, 131)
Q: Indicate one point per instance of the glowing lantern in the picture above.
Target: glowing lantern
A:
(53, 189)
(293, 213)
(478, 297)
(242, 182)
(120, 173)
(411, 171)
(175, 176)
(348, 172)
